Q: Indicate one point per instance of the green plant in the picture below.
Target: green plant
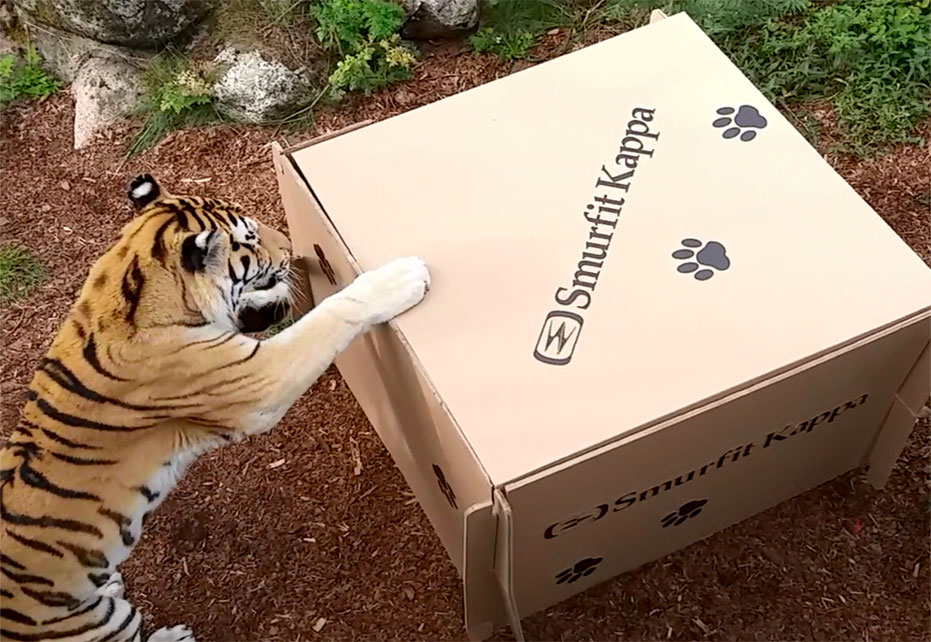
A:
(807, 124)
(351, 24)
(24, 77)
(365, 33)
(870, 59)
(176, 94)
(506, 45)
(376, 64)
(726, 17)
(510, 28)
(627, 13)
(20, 271)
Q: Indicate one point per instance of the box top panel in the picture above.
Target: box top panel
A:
(614, 236)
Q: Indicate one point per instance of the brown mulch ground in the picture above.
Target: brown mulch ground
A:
(246, 551)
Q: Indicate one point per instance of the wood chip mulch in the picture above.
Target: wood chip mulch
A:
(285, 537)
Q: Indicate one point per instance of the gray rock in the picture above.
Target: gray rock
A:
(106, 80)
(64, 53)
(7, 17)
(135, 23)
(439, 18)
(104, 90)
(8, 46)
(252, 89)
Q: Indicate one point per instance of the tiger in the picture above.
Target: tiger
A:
(154, 365)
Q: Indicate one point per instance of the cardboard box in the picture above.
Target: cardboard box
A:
(656, 311)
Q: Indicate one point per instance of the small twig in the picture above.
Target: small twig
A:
(12, 332)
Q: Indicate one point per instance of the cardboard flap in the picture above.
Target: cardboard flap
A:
(900, 421)
(503, 558)
(889, 445)
(296, 197)
(322, 137)
(484, 608)
(301, 286)
(916, 388)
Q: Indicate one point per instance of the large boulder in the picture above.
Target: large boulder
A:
(65, 53)
(133, 23)
(106, 80)
(439, 18)
(104, 89)
(251, 88)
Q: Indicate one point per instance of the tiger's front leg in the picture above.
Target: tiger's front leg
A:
(296, 357)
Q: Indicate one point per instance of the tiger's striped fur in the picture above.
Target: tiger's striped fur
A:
(150, 369)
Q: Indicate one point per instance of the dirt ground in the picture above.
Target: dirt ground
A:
(278, 538)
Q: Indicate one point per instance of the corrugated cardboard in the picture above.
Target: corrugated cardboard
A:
(655, 311)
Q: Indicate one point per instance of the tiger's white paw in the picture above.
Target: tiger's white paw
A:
(390, 290)
(114, 586)
(179, 633)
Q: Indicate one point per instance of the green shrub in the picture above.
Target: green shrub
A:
(723, 17)
(511, 28)
(24, 77)
(376, 64)
(365, 33)
(506, 44)
(870, 59)
(20, 272)
(351, 24)
(176, 94)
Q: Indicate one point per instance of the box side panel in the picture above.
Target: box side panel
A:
(300, 284)
(504, 561)
(650, 495)
(900, 421)
(892, 439)
(290, 149)
(484, 607)
(379, 369)
(915, 390)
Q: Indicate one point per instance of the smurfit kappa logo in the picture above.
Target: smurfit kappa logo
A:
(558, 337)
(599, 218)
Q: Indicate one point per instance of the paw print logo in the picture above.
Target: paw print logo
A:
(324, 264)
(745, 123)
(712, 255)
(581, 569)
(688, 510)
(445, 488)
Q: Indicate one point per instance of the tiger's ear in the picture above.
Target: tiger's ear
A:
(143, 190)
(204, 250)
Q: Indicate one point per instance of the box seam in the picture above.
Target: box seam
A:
(734, 393)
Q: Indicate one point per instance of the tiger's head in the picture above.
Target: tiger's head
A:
(195, 261)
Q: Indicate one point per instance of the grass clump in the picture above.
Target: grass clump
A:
(510, 28)
(20, 272)
(506, 45)
(24, 77)
(177, 94)
(366, 36)
(280, 29)
(869, 59)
